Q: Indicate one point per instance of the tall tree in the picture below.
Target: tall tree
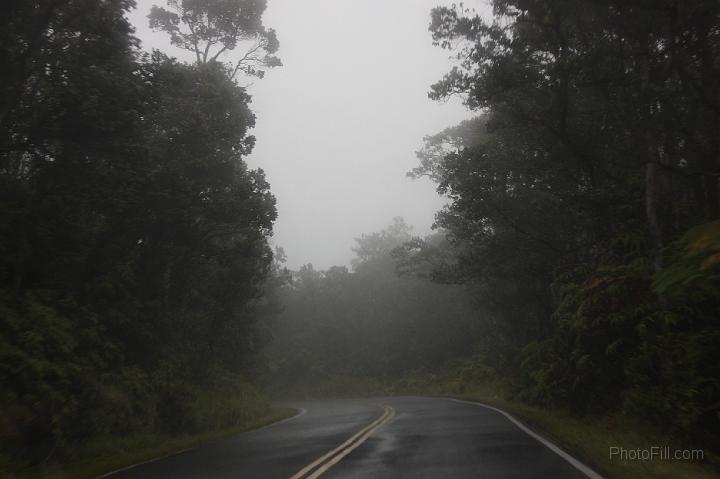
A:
(212, 29)
(616, 87)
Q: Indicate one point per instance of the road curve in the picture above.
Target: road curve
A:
(397, 437)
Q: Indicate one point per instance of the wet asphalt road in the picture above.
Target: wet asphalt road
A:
(427, 438)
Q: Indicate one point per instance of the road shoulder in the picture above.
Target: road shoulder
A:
(588, 439)
(123, 454)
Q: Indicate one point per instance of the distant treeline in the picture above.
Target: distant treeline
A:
(133, 237)
(345, 333)
(585, 201)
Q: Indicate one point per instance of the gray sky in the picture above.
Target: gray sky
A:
(338, 125)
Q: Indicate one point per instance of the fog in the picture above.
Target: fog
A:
(339, 123)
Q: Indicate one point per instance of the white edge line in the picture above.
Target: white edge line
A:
(301, 411)
(144, 462)
(574, 462)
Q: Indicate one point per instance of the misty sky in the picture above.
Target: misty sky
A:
(338, 125)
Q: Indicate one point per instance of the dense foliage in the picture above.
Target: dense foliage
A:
(585, 199)
(133, 237)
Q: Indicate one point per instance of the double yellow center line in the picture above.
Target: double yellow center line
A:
(322, 464)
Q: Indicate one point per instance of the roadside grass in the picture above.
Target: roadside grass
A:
(589, 439)
(107, 454)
